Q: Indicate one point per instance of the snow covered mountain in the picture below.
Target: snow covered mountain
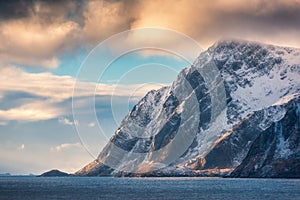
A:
(210, 121)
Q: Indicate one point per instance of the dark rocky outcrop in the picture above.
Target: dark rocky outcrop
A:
(275, 153)
(54, 173)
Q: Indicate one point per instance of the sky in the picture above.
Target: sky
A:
(46, 48)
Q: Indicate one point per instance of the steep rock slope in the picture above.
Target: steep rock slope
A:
(208, 118)
(276, 151)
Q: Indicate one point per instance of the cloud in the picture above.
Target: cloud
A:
(46, 85)
(21, 147)
(268, 21)
(34, 43)
(59, 88)
(274, 22)
(46, 96)
(14, 9)
(66, 121)
(105, 18)
(3, 123)
(36, 33)
(17, 9)
(35, 111)
(66, 146)
(91, 124)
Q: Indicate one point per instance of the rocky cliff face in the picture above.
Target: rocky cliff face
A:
(215, 116)
(276, 151)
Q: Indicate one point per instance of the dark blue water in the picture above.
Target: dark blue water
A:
(147, 188)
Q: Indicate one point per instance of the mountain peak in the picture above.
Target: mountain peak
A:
(231, 44)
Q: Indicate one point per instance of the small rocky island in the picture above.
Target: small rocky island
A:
(54, 173)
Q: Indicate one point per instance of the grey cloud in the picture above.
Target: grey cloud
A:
(86, 23)
(15, 9)
(278, 15)
(13, 99)
(271, 22)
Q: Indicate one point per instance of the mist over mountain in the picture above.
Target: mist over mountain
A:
(234, 112)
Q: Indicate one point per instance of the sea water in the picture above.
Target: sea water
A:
(147, 188)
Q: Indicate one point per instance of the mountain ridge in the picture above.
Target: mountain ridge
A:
(252, 76)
